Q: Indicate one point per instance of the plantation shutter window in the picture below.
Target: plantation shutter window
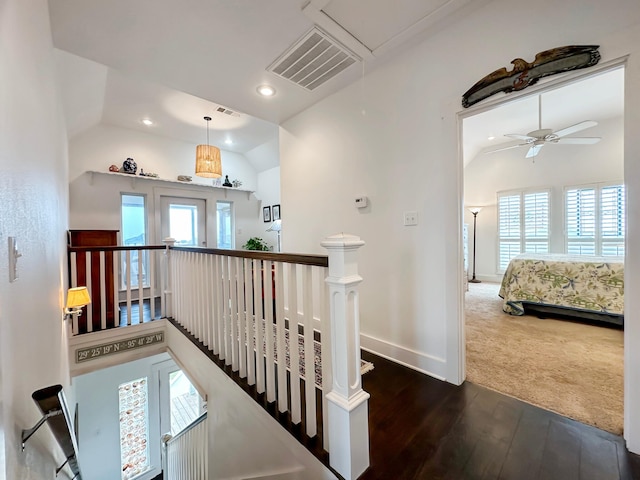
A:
(523, 224)
(536, 222)
(595, 220)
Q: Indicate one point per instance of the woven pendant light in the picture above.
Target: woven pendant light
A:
(208, 163)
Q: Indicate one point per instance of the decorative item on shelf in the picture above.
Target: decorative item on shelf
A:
(474, 211)
(256, 243)
(114, 168)
(129, 166)
(227, 183)
(236, 183)
(184, 178)
(208, 163)
(143, 174)
(217, 182)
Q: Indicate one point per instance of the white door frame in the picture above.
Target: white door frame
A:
(459, 330)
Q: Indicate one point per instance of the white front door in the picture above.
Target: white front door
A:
(180, 402)
(185, 220)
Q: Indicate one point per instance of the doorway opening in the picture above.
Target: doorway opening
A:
(528, 204)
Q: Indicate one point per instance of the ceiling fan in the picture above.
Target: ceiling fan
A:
(536, 139)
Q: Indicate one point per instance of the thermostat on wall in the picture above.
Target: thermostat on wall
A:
(361, 202)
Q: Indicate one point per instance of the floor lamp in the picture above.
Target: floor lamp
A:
(276, 226)
(475, 211)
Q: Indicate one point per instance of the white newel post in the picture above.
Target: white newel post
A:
(348, 406)
(167, 291)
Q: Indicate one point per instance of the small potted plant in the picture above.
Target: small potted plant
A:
(256, 243)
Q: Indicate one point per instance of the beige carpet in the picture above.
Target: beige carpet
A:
(572, 368)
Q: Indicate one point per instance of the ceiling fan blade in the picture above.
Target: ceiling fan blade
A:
(578, 140)
(507, 148)
(520, 137)
(575, 128)
(534, 150)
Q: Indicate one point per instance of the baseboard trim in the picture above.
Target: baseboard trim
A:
(428, 364)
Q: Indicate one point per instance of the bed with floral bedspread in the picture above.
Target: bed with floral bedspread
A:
(589, 287)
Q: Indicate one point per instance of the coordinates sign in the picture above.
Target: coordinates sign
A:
(97, 351)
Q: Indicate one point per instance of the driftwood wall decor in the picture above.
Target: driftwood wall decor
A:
(549, 62)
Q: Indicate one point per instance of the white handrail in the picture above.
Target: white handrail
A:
(185, 456)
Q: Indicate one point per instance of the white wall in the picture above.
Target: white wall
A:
(98, 417)
(104, 145)
(265, 156)
(404, 154)
(269, 195)
(555, 167)
(33, 195)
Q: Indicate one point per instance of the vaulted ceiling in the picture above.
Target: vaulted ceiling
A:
(174, 62)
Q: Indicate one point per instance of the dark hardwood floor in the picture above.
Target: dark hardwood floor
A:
(135, 312)
(422, 428)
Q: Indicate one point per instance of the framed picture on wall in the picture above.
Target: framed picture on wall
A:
(276, 212)
(266, 214)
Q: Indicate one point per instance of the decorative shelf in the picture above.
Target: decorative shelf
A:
(134, 179)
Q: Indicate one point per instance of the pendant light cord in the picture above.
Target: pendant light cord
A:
(208, 119)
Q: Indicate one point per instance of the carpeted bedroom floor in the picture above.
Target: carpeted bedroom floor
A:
(569, 367)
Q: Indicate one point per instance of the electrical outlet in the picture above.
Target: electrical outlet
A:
(410, 218)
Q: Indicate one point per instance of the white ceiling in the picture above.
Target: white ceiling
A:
(120, 61)
(175, 62)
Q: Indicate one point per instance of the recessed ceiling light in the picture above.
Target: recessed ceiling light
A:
(491, 137)
(228, 141)
(147, 122)
(266, 90)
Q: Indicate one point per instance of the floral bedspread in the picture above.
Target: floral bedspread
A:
(593, 284)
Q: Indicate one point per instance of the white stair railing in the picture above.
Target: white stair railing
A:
(288, 324)
(185, 456)
(263, 315)
(124, 283)
(254, 310)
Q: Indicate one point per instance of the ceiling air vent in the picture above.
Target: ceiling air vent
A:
(226, 111)
(313, 60)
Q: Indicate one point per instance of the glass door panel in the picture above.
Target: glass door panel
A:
(185, 220)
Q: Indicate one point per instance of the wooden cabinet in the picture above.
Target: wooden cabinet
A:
(95, 238)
